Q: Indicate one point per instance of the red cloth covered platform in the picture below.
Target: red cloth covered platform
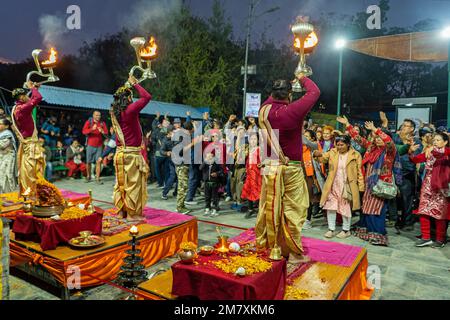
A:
(206, 282)
(52, 233)
(336, 272)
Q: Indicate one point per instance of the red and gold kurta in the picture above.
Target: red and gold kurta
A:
(130, 191)
(284, 196)
(30, 156)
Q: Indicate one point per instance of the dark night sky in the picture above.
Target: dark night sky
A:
(19, 22)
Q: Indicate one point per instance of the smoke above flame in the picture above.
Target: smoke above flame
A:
(52, 29)
(155, 12)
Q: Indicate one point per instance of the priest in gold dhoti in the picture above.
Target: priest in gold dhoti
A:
(130, 191)
(284, 198)
(30, 156)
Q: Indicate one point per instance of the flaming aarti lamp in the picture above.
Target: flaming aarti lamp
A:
(145, 55)
(48, 65)
(305, 42)
(133, 271)
(222, 245)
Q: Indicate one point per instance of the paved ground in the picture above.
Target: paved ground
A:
(406, 272)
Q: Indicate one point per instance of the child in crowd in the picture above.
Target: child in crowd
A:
(253, 181)
(213, 176)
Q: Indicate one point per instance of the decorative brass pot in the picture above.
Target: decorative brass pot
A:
(47, 212)
(187, 256)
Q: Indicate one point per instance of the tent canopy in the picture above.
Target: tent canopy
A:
(411, 47)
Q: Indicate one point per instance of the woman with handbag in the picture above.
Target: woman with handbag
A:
(435, 188)
(340, 194)
(379, 163)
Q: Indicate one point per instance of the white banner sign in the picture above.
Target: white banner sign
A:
(253, 103)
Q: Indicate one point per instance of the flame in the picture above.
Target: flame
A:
(52, 59)
(149, 52)
(311, 41)
(134, 230)
(27, 192)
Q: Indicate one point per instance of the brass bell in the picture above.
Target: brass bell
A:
(27, 206)
(275, 253)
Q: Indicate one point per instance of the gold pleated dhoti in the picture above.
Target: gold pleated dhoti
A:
(130, 191)
(31, 163)
(283, 208)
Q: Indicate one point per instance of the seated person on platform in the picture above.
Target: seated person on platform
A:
(110, 148)
(107, 157)
(74, 160)
(51, 132)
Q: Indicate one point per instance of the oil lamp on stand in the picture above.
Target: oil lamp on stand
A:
(133, 271)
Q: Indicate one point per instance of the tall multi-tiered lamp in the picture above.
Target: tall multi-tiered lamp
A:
(133, 271)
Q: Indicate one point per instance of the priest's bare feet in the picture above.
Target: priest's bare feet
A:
(295, 259)
(135, 219)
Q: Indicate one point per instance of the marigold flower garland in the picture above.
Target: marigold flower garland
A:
(74, 213)
(188, 246)
(252, 264)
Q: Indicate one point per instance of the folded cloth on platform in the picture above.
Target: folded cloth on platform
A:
(51, 233)
(114, 224)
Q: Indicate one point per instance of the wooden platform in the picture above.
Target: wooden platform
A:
(323, 281)
(100, 264)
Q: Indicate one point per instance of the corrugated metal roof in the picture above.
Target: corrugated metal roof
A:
(102, 101)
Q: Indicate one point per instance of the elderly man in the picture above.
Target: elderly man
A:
(31, 161)
(95, 130)
(284, 199)
(408, 186)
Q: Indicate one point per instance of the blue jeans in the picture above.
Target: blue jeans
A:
(195, 178)
(152, 160)
(160, 169)
(171, 177)
(407, 192)
(49, 171)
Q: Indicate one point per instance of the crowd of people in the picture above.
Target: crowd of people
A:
(389, 178)
(382, 175)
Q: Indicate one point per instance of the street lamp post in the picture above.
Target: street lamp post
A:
(340, 83)
(447, 32)
(446, 35)
(250, 20)
(340, 45)
(448, 101)
(247, 47)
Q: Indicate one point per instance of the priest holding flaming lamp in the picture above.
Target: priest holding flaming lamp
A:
(30, 156)
(130, 191)
(284, 196)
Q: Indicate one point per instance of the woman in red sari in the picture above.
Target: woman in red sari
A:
(435, 188)
(252, 185)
